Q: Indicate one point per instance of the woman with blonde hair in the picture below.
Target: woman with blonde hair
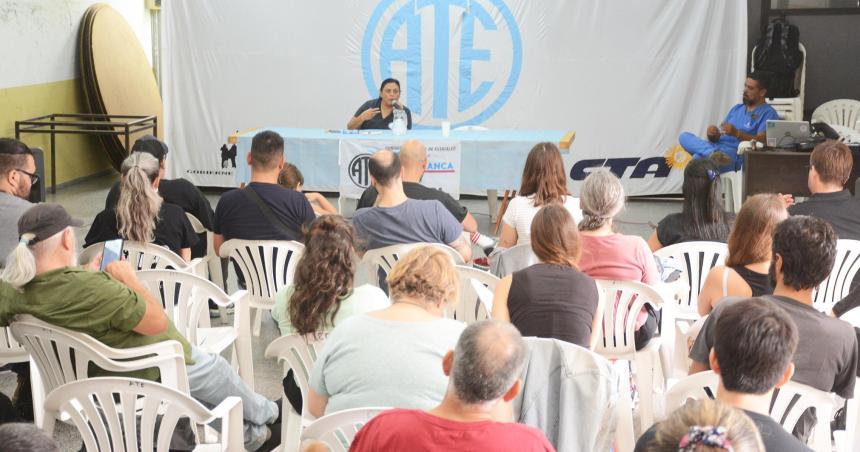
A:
(703, 426)
(552, 298)
(745, 273)
(140, 214)
(544, 182)
(368, 358)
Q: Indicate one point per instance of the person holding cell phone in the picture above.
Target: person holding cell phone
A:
(140, 214)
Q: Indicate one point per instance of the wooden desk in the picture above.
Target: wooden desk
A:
(778, 171)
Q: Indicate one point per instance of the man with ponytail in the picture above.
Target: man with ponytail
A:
(43, 279)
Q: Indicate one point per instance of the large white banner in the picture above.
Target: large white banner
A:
(442, 172)
(627, 75)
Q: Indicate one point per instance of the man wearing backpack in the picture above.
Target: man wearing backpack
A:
(745, 121)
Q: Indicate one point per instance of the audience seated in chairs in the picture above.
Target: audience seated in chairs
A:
(702, 217)
(754, 343)
(705, 425)
(140, 214)
(804, 249)
(552, 298)
(391, 357)
(396, 219)
(746, 271)
(413, 161)
(544, 182)
(179, 191)
(829, 169)
(113, 307)
(610, 255)
(263, 210)
(483, 369)
(26, 438)
(322, 294)
(290, 177)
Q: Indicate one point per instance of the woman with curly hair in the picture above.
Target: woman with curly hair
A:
(322, 294)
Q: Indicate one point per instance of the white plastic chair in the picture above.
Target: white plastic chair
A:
(840, 112)
(267, 267)
(299, 353)
(849, 440)
(838, 284)
(476, 294)
(213, 260)
(148, 256)
(698, 258)
(120, 414)
(338, 429)
(384, 258)
(617, 342)
(789, 108)
(733, 187)
(185, 298)
(63, 356)
(698, 386)
(10, 350)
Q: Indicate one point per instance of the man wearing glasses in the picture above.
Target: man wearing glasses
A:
(17, 176)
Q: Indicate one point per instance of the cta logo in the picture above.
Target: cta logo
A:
(457, 60)
(358, 170)
(655, 166)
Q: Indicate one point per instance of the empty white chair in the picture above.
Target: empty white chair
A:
(840, 112)
(838, 284)
(384, 258)
(267, 266)
(617, 342)
(299, 353)
(129, 414)
(147, 256)
(697, 387)
(63, 356)
(185, 298)
(476, 294)
(338, 429)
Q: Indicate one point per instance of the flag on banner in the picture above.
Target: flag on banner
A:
(443, 165)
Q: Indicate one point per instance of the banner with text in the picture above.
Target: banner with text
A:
(442, 172)
(627, 75)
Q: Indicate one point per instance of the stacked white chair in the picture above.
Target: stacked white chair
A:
(130, 414)
(63, 356)
(617, 341)
(299, 353)
(384, 258)
(476, 294)
(338, 429)
(838, 284)
(148, 256)
(839, 112)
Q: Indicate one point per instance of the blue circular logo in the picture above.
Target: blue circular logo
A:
(456, 60)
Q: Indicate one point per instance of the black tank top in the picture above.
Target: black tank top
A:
(758, 282)
(553, 301)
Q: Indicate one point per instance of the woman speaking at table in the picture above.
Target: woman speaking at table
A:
(379, 113)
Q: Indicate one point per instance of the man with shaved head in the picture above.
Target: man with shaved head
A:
(413, 160)
(484, 372)
(396, 219)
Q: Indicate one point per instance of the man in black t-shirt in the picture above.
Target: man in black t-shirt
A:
(413, 161)
(754, 343)
(180, 192)
(804, 249)
(263, 210)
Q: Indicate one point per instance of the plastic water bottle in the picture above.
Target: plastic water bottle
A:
(398, 125)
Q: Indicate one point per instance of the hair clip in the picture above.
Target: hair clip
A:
(711, 174)
(26, 238)
(707, 435)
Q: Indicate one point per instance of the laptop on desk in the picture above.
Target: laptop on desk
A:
(786, 134)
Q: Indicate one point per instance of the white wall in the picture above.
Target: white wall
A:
(39, 38)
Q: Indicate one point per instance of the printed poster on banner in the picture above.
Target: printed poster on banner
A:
(443, 165)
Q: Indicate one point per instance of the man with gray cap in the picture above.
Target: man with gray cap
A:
(42, 279)
(484, 371)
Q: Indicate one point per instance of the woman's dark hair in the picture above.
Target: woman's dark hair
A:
(703, 214)
(387, 81)
(543, 175)
(807, 246)
(324, 274)
(555, 237)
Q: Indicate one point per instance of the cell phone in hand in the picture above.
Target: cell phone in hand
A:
(112, 252)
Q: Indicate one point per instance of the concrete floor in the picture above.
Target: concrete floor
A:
(86, 199)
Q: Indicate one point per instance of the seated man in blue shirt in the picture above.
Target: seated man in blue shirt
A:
(745, 121)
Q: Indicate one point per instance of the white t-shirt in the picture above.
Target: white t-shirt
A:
(368, 361)
(521, 211)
